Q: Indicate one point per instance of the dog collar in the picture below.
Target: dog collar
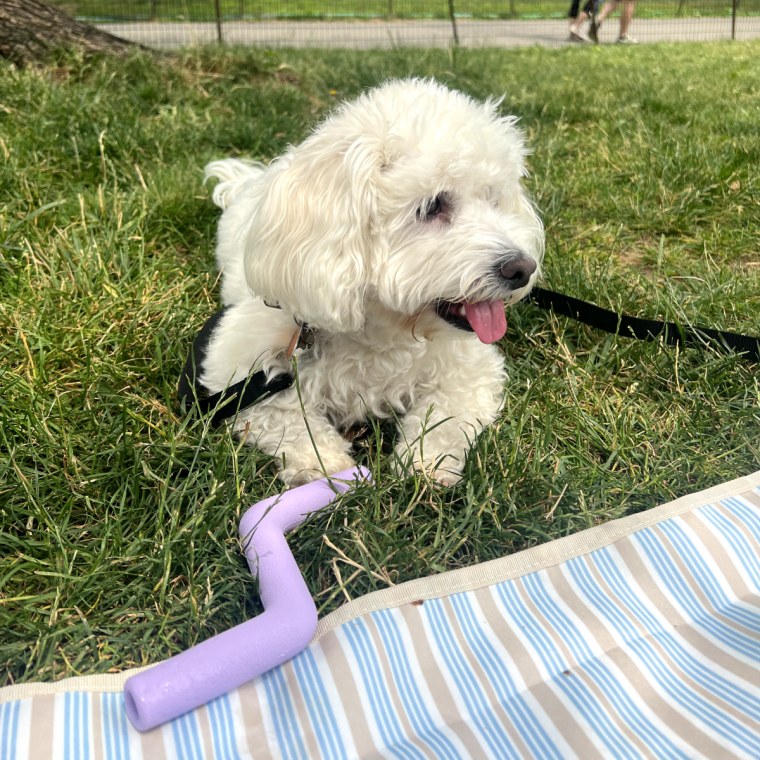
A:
(303, 336)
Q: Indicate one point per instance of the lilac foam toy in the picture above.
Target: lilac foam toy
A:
(285, 628)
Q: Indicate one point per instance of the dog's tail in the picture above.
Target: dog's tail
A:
(234, 176)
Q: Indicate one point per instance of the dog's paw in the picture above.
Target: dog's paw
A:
(444, 469)
(446, 477)
(298, 471)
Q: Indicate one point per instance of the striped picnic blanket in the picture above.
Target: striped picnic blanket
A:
(637, 638)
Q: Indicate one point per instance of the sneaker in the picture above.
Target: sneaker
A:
(573, 37)
(627, 40)
(593, 31)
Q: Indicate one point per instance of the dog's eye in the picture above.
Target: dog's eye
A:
(436, 207)
(433, 208)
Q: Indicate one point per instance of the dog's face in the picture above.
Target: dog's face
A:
(409, 200)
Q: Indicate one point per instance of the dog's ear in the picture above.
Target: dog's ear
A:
(309, 240)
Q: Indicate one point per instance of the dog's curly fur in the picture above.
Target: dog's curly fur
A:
(397, 231)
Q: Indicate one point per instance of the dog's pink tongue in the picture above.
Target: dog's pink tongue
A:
(487, 319)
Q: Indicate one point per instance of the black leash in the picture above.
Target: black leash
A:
(644, 329)
(227, 403)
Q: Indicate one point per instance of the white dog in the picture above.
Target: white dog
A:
(396, 232)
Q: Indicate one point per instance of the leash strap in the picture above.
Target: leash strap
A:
(643, 329)
(231, 400)
(228, 402)
(255, 388)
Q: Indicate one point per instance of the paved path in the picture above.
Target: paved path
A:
(423, 33)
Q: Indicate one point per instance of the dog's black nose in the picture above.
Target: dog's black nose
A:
(517, 270)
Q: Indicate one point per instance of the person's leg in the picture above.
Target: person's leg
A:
(576, 25)
(577, 19)
(626, 16)
(607, 8)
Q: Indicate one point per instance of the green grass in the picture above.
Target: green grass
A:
(118, 516)
(230, 10)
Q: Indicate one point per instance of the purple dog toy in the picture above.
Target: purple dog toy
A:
(230, 659)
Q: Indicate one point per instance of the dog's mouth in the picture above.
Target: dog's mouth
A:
(485, 318)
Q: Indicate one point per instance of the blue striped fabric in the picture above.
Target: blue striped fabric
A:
(76, 743)
(648, 646)
(223, 728)
(320, 711)
(186, 737)
(114, 720)
(425, 721)
(9, 728)
(283, 714)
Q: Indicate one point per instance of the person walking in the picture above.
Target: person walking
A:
(626, 16)
(579, 17)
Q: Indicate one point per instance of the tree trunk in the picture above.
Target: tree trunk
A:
(30, 30)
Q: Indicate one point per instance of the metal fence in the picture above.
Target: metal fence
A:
(394, 23)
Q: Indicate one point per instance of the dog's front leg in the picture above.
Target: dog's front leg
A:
(435, 440)
(303, 441)
(439, 430)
